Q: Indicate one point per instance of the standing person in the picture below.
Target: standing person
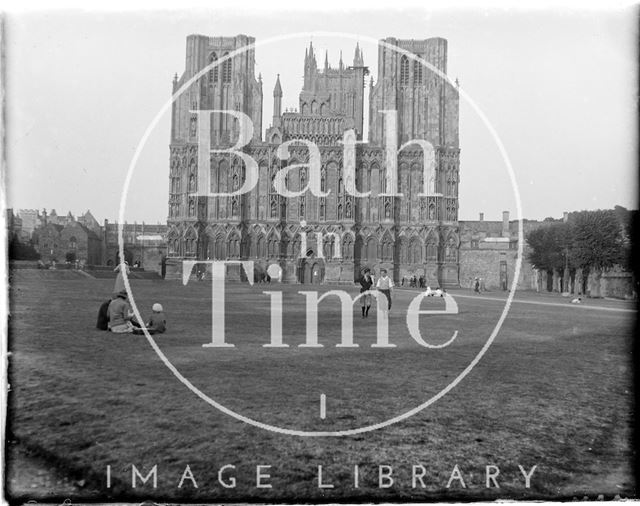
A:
(119, 286)
(385, 285)
(366, 281)
(163, 266)
(476, 285)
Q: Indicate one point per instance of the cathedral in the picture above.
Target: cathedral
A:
(334, 237)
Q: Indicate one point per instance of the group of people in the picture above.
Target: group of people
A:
(478, 285)
(414, 281)
(384, 285)
(116, 315)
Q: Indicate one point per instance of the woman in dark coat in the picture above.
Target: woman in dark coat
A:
(366, 281)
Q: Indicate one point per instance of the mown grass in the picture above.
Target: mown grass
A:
(554, 391)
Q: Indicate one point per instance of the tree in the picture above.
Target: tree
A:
(21, 251)
(550, 247)
(598, 241)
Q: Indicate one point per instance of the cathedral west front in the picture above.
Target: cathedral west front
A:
(313, 238)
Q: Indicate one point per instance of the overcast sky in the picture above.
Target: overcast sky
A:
(558, 86)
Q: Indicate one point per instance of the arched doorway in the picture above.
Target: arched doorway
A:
(311, 269)
(316, 274)
(306, 273)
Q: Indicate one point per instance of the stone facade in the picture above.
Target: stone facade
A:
(143, 243)
(489, 250)
(408, 235)
(55, 242)
(94, 244)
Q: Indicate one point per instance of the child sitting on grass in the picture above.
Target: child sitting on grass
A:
(157, 323)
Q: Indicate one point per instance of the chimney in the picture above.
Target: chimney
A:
(505, 223)
(481, 216)
(565, 216)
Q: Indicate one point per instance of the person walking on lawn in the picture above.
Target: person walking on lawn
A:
(366, 282)
(119, 286)
(385, 285)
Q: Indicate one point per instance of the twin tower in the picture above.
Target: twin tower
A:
(408, 235)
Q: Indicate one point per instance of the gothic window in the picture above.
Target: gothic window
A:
(235, 182)
(192, 207)
(192, 183)
(274, 208)
(372, 249)
(404, 70)
(432, 211)
(417, 72)
(226, 70)
(303, 179)
(323, 180)
(387, 209)
(348, 210)
(314, 107)
(261, 248)
(329, 247)
(193, 126)
(340, 187)
(219, 246)
(223, 173)
(383, 181)
(387, 249)
(322, 209)
(73, 243)
(451, 253)
(213, 73)
(302, 207)
(416, 252)
(347, 247)
(339, 211)
(403, 252)
(432, 252)
(295, 248)
(234, 247)
(234, 207)
(190, 242)
(273, 247)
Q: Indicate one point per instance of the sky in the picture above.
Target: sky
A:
(557, 86)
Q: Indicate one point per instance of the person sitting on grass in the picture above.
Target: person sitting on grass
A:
(120, 314)
(103, 314)
(157, 323)
(577, 300)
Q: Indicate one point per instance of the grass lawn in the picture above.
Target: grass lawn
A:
(553, 391)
